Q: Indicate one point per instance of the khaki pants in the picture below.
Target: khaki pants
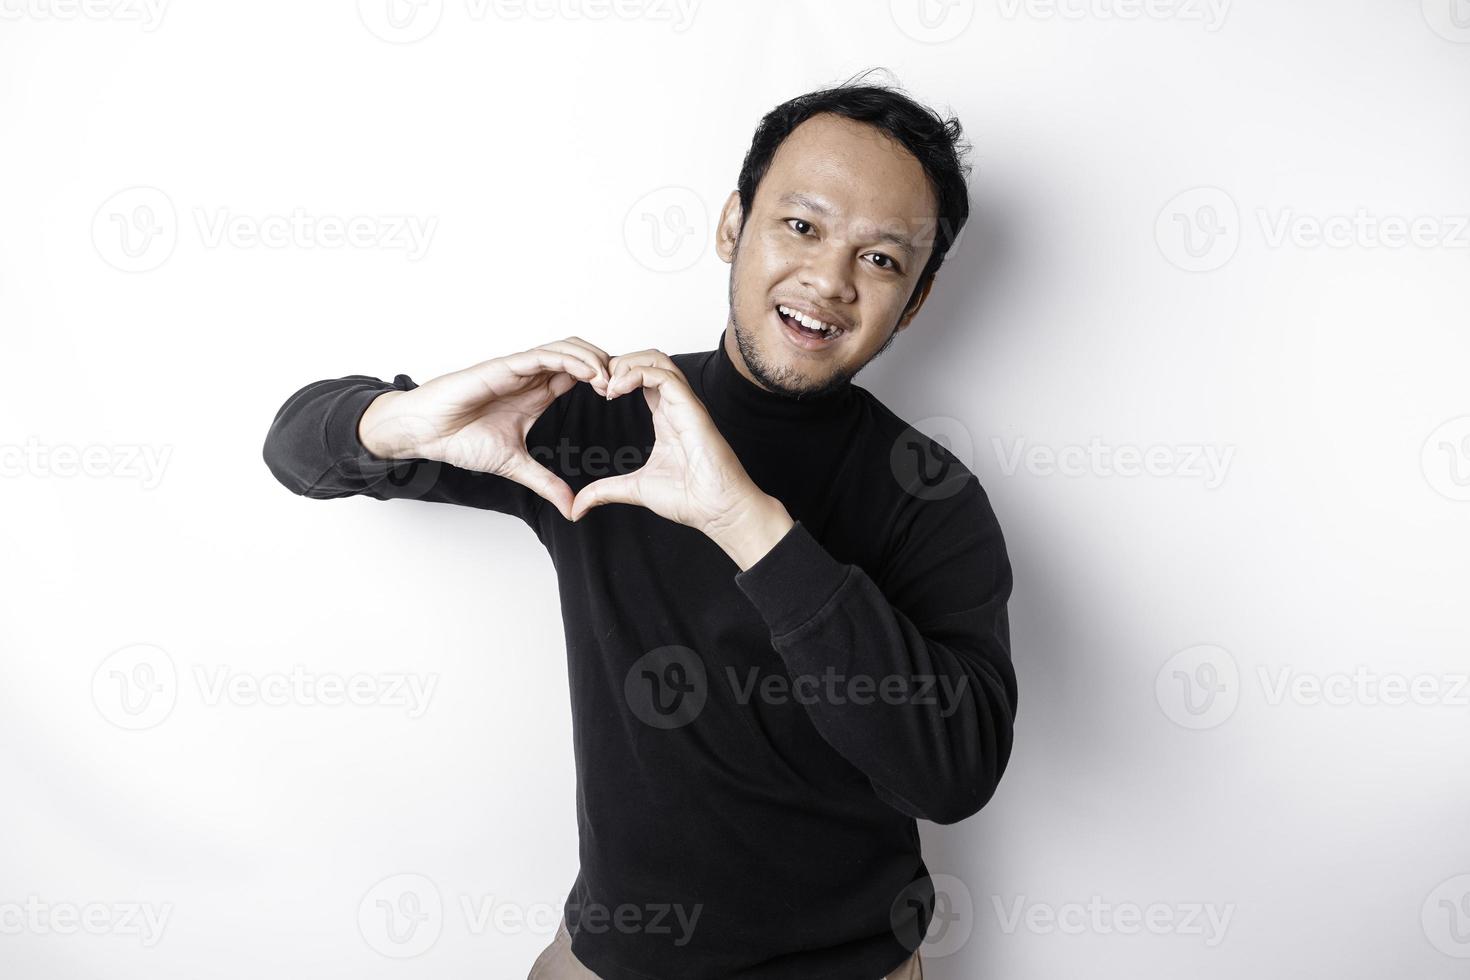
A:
(556, 962)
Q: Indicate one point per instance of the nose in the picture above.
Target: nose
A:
(827, 273)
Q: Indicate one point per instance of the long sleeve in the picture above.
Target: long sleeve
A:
(313, 449)
(936, 741)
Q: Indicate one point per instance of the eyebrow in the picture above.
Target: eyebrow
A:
(813, 204)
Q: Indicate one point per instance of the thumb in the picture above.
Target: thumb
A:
(544, 483)
(611, 490)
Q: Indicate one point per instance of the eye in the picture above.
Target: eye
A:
(799, 221)
(892, 265)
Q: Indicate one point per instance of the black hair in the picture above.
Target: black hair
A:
(937, 143)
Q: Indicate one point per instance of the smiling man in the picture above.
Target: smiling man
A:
(784, 608)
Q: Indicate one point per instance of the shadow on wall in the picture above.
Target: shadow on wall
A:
(953, 340)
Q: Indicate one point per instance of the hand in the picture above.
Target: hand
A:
(692, 476)
(478, 418)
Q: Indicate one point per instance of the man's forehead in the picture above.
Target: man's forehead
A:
(851, 163)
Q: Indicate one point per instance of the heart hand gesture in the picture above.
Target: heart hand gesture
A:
(692, 476)
(477, 418)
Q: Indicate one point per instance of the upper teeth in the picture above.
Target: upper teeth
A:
(809, 322)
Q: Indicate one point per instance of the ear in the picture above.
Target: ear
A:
(915, 304)
(727, 232)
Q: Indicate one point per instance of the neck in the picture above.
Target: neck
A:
(733, 395)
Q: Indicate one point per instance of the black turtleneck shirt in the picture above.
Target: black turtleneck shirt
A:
(752, 748)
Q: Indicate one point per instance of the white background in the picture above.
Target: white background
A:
(1074, 319)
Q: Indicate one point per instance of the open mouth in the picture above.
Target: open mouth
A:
(805, 332)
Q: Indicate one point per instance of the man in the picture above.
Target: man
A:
(786, 629)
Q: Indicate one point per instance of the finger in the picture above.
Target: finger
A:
(544, 360)
(666, 383)
(602, 355)
(651, 357)
(599, 380)
(562, 383)
(544, 483)
(590, 353)
(630, 355)
(609, 490)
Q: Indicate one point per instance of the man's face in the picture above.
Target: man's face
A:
(841, 226)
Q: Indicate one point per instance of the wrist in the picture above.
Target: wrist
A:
(377, 432)
(752, 529)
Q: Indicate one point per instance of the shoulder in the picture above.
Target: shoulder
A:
(939, 504)
(690, 362)
(928, 461)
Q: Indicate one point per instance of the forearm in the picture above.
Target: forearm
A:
(926, 696)
(312, 447)
(346, 437)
